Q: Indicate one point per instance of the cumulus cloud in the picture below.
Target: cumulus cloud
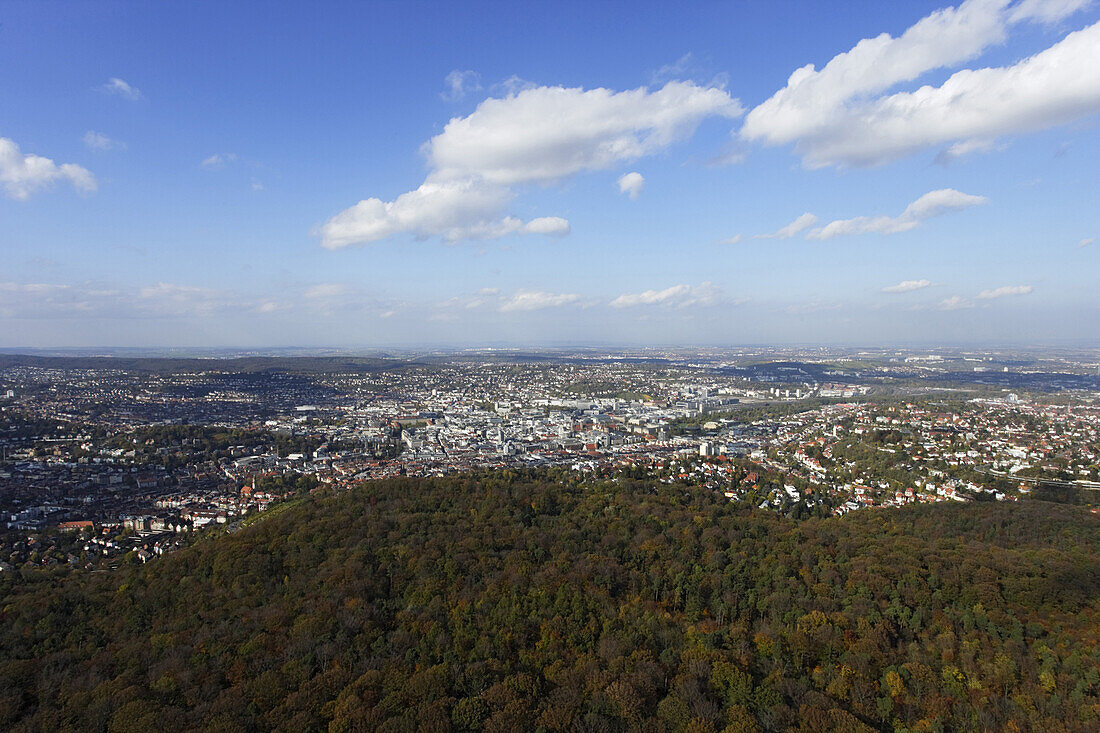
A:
(455, 210)
(459, 84)
(546, 134)
(98, 141)
(553, 226)
(906, 286)
(530, 300)
(803, 222)
(120, 88)
(21, 175)
(933, 203)
(1004, 291)
(218, 161)
(841, 114)
(631, 184)
(735, 239)
(677, 296)
(538, 135)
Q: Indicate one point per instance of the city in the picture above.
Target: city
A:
(131, 461)
(537, 367)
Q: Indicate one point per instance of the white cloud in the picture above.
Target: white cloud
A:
(549, 225)
(735, 239)
(98, 141)
(325, 290)
(731, 154)
(218, 161)
(839, 116)
(513, 85)
(1086, 241)
(455, 210)
(675, 70)
(814, 306)
(1046, 11)
(906, 286)
(927, 206)
(954, 303)
(21, 175)
(805, 221)
(631, 184)
(14, 287)
(677, 296)
(539, 135)
(120, 88)
(172, 291)
(962, 149)
(459, 84)
(1004, 291)
(529, 300)
(545, 134)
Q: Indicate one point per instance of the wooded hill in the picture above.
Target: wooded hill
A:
(540, 601)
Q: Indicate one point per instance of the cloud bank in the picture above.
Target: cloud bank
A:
(841, 114)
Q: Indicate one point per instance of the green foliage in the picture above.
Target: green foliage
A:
(508, 600)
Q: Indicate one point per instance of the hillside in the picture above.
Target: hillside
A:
(505, 602)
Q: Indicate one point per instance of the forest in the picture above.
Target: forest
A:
(546, 601)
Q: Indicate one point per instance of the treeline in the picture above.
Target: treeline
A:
(539, 601)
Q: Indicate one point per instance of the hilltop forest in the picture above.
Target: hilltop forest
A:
(547, 601)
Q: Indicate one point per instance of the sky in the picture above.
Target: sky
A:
(365, 175)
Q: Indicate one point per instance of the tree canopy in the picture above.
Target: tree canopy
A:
(506, 600)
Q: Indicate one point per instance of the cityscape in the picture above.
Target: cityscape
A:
(536, 367)
(131, 458)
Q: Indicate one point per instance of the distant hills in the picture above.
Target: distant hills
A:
(505, 601)
(164, 365)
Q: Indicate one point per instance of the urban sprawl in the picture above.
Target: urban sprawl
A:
(104, 464)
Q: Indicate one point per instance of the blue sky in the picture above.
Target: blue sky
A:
(234, 174)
